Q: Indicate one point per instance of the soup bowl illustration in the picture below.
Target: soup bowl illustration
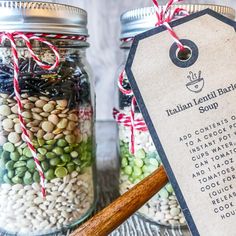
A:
(196, 83)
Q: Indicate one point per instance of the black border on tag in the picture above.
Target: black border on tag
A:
(144, 110)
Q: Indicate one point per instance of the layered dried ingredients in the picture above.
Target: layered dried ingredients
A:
(163, 208)
(58, 113)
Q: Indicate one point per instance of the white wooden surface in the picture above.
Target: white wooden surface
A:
(104, 54)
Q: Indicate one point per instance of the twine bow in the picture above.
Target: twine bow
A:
(164, 17)
(26, 37)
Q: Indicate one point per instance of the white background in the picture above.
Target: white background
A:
(104, 54)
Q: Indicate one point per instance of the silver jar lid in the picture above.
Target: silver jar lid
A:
(42, 17)
(136, 21)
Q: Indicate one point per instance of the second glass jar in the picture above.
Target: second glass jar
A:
(163, 208)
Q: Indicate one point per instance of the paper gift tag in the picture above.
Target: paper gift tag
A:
(189, 105)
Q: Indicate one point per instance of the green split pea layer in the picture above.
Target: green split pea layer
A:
(57, 158)
(142, 164)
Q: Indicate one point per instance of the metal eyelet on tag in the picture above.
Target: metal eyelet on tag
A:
(188, 57)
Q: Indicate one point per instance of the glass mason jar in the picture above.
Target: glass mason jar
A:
(58, 110)
(163, 208)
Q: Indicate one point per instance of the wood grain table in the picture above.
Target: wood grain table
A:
(108, 182)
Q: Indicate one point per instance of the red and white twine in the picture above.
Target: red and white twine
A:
(26, 37)
(126, 121)
(129, 121)
(164, 16)
(121, 87)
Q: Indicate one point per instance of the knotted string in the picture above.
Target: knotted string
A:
(164, 17)
(26, 37)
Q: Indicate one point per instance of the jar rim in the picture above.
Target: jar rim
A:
(42, 17)
(138, 20)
